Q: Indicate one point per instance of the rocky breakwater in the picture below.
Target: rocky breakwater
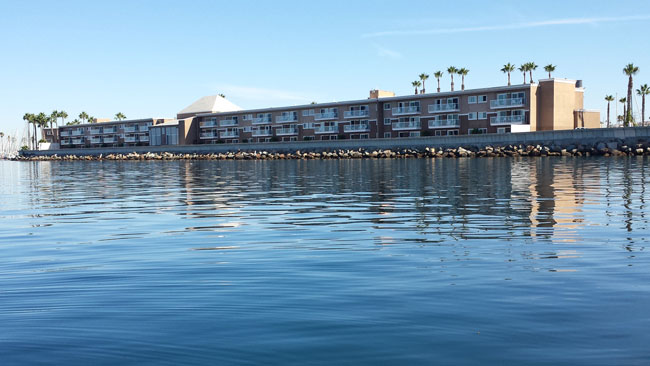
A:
(611, 148)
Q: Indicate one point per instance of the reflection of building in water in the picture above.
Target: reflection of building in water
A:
(557, 194)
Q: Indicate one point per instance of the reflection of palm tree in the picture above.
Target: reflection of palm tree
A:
(438, 75)
(508, 68)
(608, 98)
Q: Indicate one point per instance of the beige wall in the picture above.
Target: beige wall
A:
(557, 101)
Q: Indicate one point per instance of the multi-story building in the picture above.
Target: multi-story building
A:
(550, 104)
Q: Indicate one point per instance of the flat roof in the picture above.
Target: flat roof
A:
(111, 122)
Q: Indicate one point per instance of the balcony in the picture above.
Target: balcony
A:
(455, 122)
(129, 129)
(110, 130)
(229, 134)
(208, 124)
(78, 141)
(66, 142)
(262, 120)
(286, 118)
(449, 107)
(95, 140)
(130, 139)
(65, 133)
(77, 133)
(228, 122)
(95, 131)
(506, 103)
(507, 120)
(406, 126)
(356, 128)
(261, 132)
(325, 116)
(412, 109)
(356, 113)
(208, 135)
(327, 129)
(110, 139)
(286, 131)
(142, 138)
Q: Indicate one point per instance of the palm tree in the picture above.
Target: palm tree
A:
(41, 121)
(91, 119)
(438, 75)
(120, 116)
(28, 117)
(73, 122)
(531, 67)
(463, 72)
(52, 119)
(608, 98)
(549, 68)
(507, 69)
(63, 115)
(643, 91)
(629, 70)
(624, 100)
(416, 84)
(83, 116)
(451, 71)
(424, 78)
(524, 68)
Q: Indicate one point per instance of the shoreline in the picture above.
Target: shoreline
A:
(611, 148)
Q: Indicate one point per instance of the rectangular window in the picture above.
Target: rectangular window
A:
(482, 115)
(364, 136)
(414, 134)
(307, 112)
(476, 131)
(471, 116)
(438, 132)
(471, 99)
(452, 132)
(386, 135)
(386, 121)
(387, 106)
(482, 98)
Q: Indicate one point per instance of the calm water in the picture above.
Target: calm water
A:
(423, 262)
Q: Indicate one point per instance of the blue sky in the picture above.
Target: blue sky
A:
(152, 58)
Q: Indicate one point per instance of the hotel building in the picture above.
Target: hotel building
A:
(549, 104)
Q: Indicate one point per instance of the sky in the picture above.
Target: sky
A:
(153, 58)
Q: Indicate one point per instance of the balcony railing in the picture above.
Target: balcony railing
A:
(286, 131)
(356, 128)
(110, 130)
(66, 142)
(208, 124)
(326, 115)
(130, 129)
(228, 122)
(406, 125)
(412, 109)
(142, 138)
(95, 131)
(452, 122)
(261, 132)
(65, 133)
(286, 118)
(229, 134)
(327, 129)
(95, 140)
(262, 120)
(78, 141)
(130, 139)
(109, 140)
(208, 135)
(433, 108)
(356, 113)
(507, 103)
(507, 120)
(77, 133)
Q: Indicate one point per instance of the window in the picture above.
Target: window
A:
(414, 134)
(293, 138)
(482, 115)
(235, 141)
(471, 99)
(387, 135)
(247, 129)
(438, 132)
(154, 136)
(452, 132)
(501, 130)
(364, 136)
(387, 106)
(308, 126)
(482, 98)
(307, 112)
(471, 116)
(476, 131)
(386, 121)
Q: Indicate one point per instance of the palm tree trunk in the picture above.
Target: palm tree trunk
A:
(549, 74)
(607, 114)
(508, 78)
(531, 76)
(462, 85)
(524, 77)
(452, 82)
(643, 111)
(630, 86)
(423, 88)
(438, 85)
(624, 115)
(29, 137)
(35, 143)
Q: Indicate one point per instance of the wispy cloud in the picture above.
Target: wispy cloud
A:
(385, 52)
(544, 23)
